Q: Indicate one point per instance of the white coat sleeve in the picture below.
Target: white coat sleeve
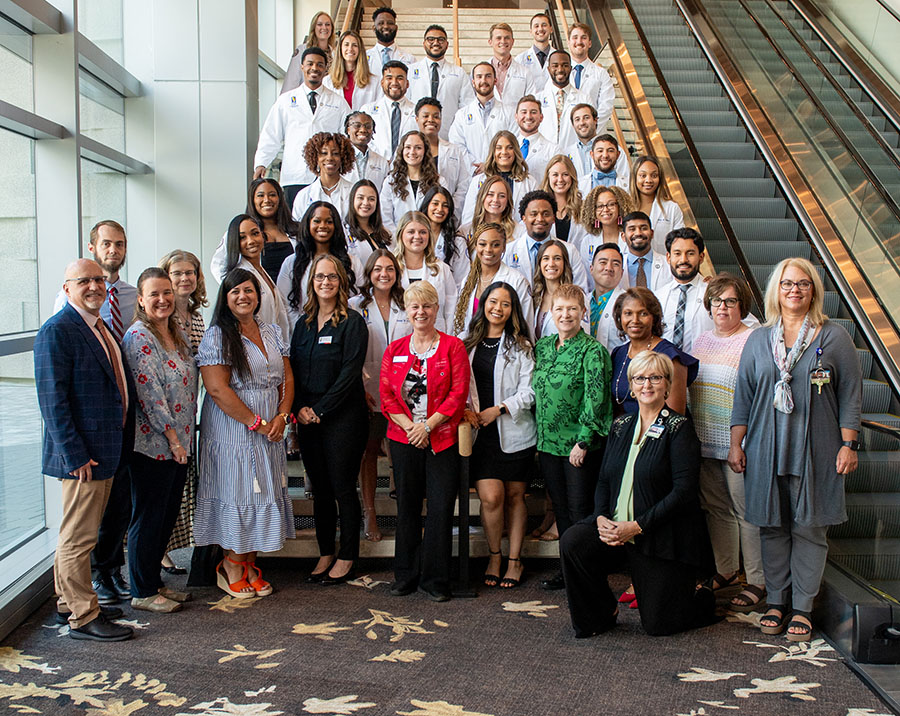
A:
(217, 262)
(271, 138)
(606, 98)
(521, 401)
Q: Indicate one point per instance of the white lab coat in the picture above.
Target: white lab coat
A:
(584, 183)
(529, 60)
(446, 290)
(560, 133)
(665, 216)
(454, 168)
(376, 171)
(469, 132)
(361, 95)
(598, 86)
(587, 244)
(581, 158)
(285, 275)
(398, 327)
(393, 207)
(660, 274)
(520, 189)
(380, 112)
(454, 88)
(515, 279)
(459, 264)
(289, 125)
(339, 199)
(540, 151)
(374, 56)
(513, 369)
(518, 257)
(519, 82)
(607, 333)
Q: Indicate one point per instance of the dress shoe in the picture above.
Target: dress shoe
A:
(330, 581)
(318, 577)
(175, 595)
(155, 603)
(555, 582)
(436, 596)
(402, 589)
(173, 570)
(104, 589)
(120, 585)
(101, 629)
(62, 618)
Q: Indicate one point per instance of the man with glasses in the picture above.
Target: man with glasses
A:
(368, 164)
(87, 399)
(439, 79)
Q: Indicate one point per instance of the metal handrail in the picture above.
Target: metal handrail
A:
(877, 328)
(655, 139)
(881, 428)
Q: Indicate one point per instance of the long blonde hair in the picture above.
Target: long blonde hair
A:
(538, 282)
(519, 168)
(361, 75)
(473, 277)
(311, 307)
(662, 189)
(431, 259)
(773, 287)
(311, 39)
(506, 219)
(573, 195)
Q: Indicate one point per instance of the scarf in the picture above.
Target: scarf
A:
(784, 399)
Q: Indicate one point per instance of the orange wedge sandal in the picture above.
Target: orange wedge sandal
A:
(234, 588)
(262, 587)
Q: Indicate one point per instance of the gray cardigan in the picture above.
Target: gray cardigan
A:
(821, 499)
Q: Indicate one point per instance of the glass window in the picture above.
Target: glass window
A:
(18, 236)
(268, 93)
(102, 112)
(266, 25)
(100, 21)
(15, 66)
(21, 486)
(102, 195)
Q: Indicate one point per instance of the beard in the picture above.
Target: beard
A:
(110, 267)
(385, 38)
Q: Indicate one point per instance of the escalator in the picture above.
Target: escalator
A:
(781, 153)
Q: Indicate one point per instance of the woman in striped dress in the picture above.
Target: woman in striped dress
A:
(242, 500)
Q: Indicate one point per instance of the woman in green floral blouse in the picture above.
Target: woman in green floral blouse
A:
(573, 409)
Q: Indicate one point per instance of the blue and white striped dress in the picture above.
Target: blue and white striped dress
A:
(242, 498)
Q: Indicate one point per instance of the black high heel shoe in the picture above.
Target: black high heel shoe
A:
(348, 577)
(491, 580)
(319, 577)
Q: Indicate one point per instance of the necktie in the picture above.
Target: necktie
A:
(678, 332)
(525, 143)
(533, 252)
(542, 57)
(603, 179)
(435, 79)
(395, 127)
(313, 102)
(578, 70)
(115, 313)
(110, 348)
(640, 278)
(361, 164)
(385, 55)
(560, 102)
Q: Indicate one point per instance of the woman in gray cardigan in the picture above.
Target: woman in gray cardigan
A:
(797, 403)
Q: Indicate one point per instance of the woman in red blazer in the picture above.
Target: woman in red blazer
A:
(424, 387)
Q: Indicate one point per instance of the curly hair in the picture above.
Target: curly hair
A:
(317, 143)
(588, 217)
(367, 290)
(450, 225)
(539, 283)
(197, 299)
(515, 330)
(473, 277)
(311, 307)
(400, 170)
(519, 168)
(648, 300)
(506, 217)
(573, 195)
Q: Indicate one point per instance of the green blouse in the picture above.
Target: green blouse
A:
(571, 389)
(624, 511)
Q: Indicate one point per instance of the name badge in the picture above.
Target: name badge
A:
(400, 359)
(325, 340)
(655, 430)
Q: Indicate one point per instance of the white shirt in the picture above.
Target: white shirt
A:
(540, 151)
(460, 262)
(665, 216)
(454, 88)
(393, 207)
(607, 333)
(560, 132)
(398, 327)
(374, 56)
(520, 189)
(380, 111)
(470, 132)
(598, 86)
(517, 256)
(454, 168)
(361, 95)
(339, 198)
(376, 168)
(289, 125)
(446, 290)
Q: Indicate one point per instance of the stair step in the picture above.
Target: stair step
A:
(870, 558)
(872, 514)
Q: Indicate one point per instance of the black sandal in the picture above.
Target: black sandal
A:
(491, 580)
(741, 602)
(795, 624)
(779, 621)
(717, 582)
(509, 582)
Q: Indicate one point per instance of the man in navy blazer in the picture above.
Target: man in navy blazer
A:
(87, 403)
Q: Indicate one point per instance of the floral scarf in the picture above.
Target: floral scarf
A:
(785, 362)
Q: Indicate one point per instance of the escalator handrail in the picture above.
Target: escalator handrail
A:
(829, 119)
(881, 428)
(708, 186)
(878, 330)
(883, 96)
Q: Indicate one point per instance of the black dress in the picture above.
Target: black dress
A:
(274, 254)
(488, 460)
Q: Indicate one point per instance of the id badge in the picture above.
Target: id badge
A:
(325, 340)
(655, 430)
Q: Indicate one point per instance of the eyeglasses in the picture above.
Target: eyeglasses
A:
(181, 274)
(730, 302)
(361, 125)
(787, 285)
(641, 379)
(323, 277)
(610, 206)
(435, 39)
(84, 281)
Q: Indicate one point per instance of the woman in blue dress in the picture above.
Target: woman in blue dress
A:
(242, 501)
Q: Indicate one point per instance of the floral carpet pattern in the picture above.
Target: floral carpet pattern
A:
(354, 649)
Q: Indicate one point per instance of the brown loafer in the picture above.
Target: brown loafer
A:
(157, 603)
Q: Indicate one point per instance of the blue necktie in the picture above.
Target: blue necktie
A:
(578, 70)
(533, 252)
(525, 149)
(385, 55)
(395, 127)
(604, 179)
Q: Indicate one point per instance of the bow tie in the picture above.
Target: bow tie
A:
(600, 176)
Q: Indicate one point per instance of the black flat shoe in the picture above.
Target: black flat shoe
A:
(554, 583)
(399, 589)
(105, 592)
(173, 570)
(102, 630)
(435, 596)
(62, 618)
(319, 577)
(330, 581)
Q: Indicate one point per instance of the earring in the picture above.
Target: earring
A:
(597, 223)
(632, 394)
(666, 396)
(619, 220)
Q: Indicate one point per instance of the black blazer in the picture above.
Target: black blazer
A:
(666, 488)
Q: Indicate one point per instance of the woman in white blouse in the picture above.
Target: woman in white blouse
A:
(650, 194)
(412, 175)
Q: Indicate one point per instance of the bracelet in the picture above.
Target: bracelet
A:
(174, 446)
(286, 417)
(256, 423)
(427, 427)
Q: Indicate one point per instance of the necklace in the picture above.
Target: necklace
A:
(422, 354)
(491, 346)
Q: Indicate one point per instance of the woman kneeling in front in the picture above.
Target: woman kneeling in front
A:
(647, 515)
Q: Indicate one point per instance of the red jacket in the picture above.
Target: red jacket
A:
(448, 387)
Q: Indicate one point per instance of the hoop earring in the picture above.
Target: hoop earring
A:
(666, 396)
(631, 393)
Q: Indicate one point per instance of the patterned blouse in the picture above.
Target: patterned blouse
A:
(194, 331)
(166, 384)
(571, 389)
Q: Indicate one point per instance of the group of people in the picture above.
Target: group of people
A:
(511, 270)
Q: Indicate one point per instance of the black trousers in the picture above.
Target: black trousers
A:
(571, 488)
(421, 474)
(157, 487)
(109, 553)
(667, 597)
(332, 452)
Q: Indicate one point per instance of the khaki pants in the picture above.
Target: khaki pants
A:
(83, 505)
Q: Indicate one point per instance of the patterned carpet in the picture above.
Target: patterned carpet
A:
(354, 649)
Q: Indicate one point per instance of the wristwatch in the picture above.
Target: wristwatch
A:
(582, 444)
(503, 410)
(852, 444)
(427, 427)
